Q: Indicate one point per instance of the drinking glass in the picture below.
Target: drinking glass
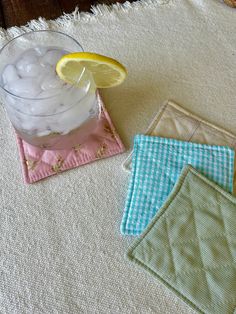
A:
(44, 110)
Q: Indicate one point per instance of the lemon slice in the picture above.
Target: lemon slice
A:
(106, 71)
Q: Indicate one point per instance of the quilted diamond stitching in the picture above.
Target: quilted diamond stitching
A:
(205, 132)
(179, 124)
(226, 231)
(200, 244)
(218, 304)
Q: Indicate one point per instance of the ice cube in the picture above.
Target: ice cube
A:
(25, 60)
(50, 93)
(18, 104)
(47, 102)
(72, 118)
(51, 81)
(47, 124)
(72, 95)
(65, 102)
(43, 133)
(9, 74)
(52, 56)
(28, 124)
(72, 114)
(33, 125)
(31, 70)
(25, 87)
(30, 54)
(41, 51)
(45, 71)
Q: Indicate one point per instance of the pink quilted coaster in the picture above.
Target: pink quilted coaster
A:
(38, 164)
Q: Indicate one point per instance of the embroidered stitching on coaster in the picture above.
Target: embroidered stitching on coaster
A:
(38, 164)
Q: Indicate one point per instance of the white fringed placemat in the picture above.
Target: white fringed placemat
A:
(61, 251)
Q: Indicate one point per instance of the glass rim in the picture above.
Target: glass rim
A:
(27, 33)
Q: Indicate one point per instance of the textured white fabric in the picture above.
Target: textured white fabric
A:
(61, 251)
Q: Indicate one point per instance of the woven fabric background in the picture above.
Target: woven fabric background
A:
(61, 249)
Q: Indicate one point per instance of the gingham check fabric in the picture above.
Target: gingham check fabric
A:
(156, 165)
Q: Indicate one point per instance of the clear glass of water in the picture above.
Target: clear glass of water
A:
(44, 110)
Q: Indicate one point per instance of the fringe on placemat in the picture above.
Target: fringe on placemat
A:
(96, 11)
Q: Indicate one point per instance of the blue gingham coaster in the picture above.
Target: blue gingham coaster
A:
(156, 165)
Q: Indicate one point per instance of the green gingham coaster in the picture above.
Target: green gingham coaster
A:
(157, 164)
(190, 245)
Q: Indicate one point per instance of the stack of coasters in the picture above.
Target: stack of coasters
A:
(179, 199)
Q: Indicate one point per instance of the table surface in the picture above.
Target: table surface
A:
(61, 249)
(19, 12)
